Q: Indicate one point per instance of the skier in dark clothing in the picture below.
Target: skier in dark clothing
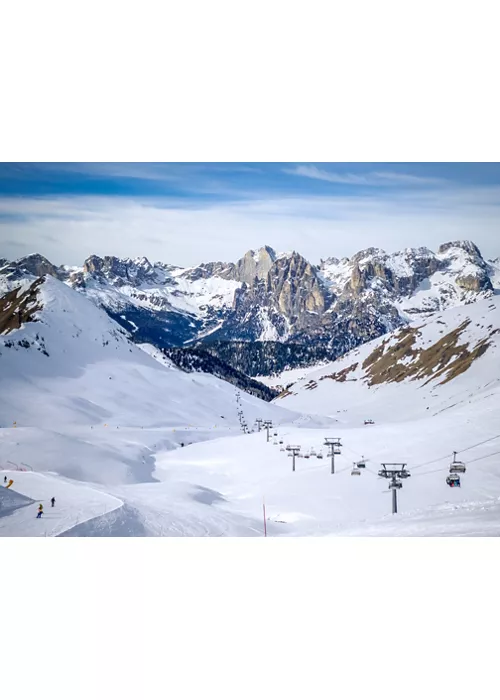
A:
(5, 480)
(52, 501)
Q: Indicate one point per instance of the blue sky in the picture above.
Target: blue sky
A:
(185, 213)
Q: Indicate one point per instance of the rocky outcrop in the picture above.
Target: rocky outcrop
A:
(19, 306)
(467, 246)
(475, 282)
(255, 266)
(32, 265)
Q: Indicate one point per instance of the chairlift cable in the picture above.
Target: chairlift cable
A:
(465, 449)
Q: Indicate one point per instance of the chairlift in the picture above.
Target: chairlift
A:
(275, 442)
(319, 455)
(453, 480)
(282, 449)
(396, 485)
(336, 451)
(369, 421)
(457, 467)
(361, 464)
(281, 442)
(306, 456)
(313, 453)
(355, 471)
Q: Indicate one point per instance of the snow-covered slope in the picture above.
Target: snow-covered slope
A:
(69, 376)
(450, 360)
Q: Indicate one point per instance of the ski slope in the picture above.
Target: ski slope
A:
(75, 503)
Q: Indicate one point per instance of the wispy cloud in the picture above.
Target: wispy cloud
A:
(377, 179)
(69, 229)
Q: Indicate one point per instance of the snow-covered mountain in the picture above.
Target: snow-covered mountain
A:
(317, 311)
(67, 368)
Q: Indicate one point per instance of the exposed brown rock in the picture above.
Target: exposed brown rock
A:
(16, 309)
(341, 375)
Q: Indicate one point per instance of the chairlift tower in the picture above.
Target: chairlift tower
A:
(334, 445)
(268, 424)
(294, 451)
(259, 423)
(395, 475)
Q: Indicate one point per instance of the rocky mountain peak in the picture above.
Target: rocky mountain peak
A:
(255, 265)
(35, 265)
(117, 271)
(467, 246)
(465, 260)
(367, 254)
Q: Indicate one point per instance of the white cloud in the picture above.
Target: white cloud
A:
(379, 179)
(69, 229)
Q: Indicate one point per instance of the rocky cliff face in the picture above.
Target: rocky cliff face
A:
(266, 296)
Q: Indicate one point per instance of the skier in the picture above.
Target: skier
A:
(40, 511)
(52, 501)
(5, 480)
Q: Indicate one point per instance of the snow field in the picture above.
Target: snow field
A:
(75, 503)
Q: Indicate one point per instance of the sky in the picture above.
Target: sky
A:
(188, 213)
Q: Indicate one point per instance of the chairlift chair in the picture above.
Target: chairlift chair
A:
(355, 471)
(361, 464)
(319, 455)
(282, 449)
(396, 485)
(336, 451)
(306, 456)
(281, 442)
(457, 467)
(453, 480)
(313, 453)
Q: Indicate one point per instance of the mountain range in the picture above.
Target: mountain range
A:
(272, 311)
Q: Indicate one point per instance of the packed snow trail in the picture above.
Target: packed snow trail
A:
(75, 503)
